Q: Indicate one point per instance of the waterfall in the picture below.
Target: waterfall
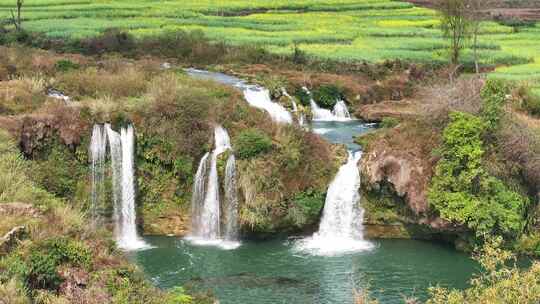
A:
(260, 98)
(231, 201)
(98, 150)
(340, 229)
(206, 206)
(339, 113)
(122, 151)
(197, 198)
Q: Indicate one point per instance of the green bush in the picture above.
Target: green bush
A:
(303, 96)
(251, 143)
(530, 102)
(65, 65)
(326, 96)
(493, 96)
(389, 122)
(305, 208)
(461, 189)
(45, 258)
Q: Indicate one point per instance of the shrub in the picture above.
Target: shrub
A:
(326, 96)
(65, 65)
(389, 122)
(303, 96)
(251, 143)
(47, 256)
(461, 189)
(530, 102)
(501, 281)
(493, 96)
(305, 208)
(112, 40)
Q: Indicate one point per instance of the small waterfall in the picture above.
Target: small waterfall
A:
(231, 201)
(340, 229)
(122, 151)
(197, 198)
(98, 150)
(206, 207)
(295, 107)
(260, 98)
(339, 113)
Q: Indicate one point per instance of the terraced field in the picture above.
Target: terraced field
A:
(345, 30)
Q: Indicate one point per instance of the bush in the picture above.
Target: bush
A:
(530, 102)
(303, 96)
(493, 96)
(461, 189)
(112, 40)
(326, 96)
(251, 143)
(389, 122)
(65, 65)
(47, 256)
(305, 208)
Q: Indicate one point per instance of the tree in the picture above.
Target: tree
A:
(455, 25)
(475, 15)
(17, 20)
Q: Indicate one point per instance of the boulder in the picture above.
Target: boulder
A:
(12, 238)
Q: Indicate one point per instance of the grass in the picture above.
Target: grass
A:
(343, 30)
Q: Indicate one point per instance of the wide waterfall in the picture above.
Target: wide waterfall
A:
(98, 150)
(340, 111)
(340, 229)
(206, 203)
(122, 151)
(260, 98)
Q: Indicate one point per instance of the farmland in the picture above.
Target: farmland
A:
(343, 30)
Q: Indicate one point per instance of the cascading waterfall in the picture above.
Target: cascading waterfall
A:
(340, 229)
(231, 201)
(122, 150)
(98, 150)
(199, 190)
(206, 207)
(339, 112)
(260, 98)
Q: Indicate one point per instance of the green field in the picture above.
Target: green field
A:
(345, 30)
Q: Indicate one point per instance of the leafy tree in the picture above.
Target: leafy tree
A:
(455, 25)
(461, 189)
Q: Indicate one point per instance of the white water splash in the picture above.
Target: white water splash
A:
(206, 212)
(122, 151)
(339, 113)
(260, 98)
(98, 150)
(340, 230)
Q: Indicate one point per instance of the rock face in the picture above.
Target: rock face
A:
(400, 163)
(392, 109)
(408, 174)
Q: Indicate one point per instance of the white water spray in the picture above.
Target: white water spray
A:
(98, 150)
(260, 98)
(122, 151)
(340, 230)
(339, 112)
